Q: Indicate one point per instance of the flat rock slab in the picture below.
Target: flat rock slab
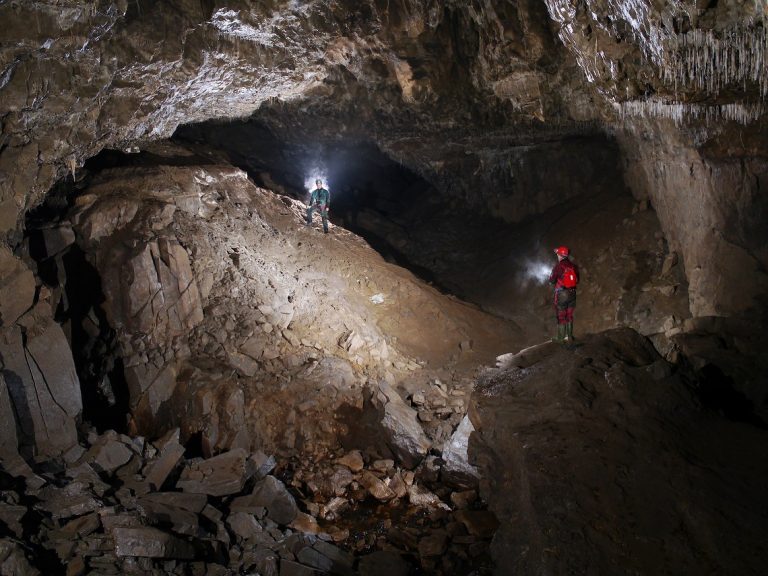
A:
(159, 470)
(108, 455)
(149, 542)
(218, 476)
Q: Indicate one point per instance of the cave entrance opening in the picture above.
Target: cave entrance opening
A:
(76, 289)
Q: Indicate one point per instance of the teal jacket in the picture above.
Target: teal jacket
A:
(320, 196)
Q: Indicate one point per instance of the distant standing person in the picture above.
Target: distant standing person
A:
(321, 199)
(565, 277)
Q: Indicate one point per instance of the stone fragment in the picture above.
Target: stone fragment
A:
(110, 519)
(434, 544)
(218, 476)
(13, 561)
(262, 463)
(272, 495)
(382, 465)
(456, 468)
(376, 487)
(669, 262)
(11, 515)
(402, 430)
(352, 460)
(339, 480)
(150, 543)
(108, 454)
(158, 471)
(243, 525)
(423, 498)
(185, 501)
(77, 528)
(264, 560)
(398, 486)
(305, 523)
(335, 506)
(243, 363)
(177, 519)
(73, 500)
(342, 561)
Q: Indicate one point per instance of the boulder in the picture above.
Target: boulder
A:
(586, 457)
(456, 469)
(272, 494)
(400, 426)
(243, 525)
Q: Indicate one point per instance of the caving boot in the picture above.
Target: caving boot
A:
(569, 332)
(560, 333)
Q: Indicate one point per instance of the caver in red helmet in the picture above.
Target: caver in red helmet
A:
(562, 251)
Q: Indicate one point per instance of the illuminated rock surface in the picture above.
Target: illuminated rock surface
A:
(157, 282)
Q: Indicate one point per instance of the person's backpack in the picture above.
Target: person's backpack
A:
(570, 279)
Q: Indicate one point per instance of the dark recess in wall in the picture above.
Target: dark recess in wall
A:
(77, 284)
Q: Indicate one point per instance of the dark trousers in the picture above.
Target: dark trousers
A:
(323, 213)
(565, 302)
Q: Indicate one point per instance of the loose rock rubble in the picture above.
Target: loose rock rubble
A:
(123, 505)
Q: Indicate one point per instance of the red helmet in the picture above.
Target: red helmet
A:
(562, 251)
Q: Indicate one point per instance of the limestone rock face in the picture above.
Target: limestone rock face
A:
(40, 392)
(590, 457)
(232, 318)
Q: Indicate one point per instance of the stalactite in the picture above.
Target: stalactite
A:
(704, 61)
(681, 112)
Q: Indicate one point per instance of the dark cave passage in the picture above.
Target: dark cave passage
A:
(372, 195)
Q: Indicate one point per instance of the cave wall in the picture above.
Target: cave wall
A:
(92, 75)
(458, 91)
(713, 209)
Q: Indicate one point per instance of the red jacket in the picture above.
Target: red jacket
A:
(556, 277)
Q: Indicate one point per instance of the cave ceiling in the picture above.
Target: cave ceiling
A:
(78, 77)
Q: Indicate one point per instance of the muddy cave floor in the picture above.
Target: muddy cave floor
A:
(315, 417)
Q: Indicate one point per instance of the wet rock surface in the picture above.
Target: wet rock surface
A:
(600, 458)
